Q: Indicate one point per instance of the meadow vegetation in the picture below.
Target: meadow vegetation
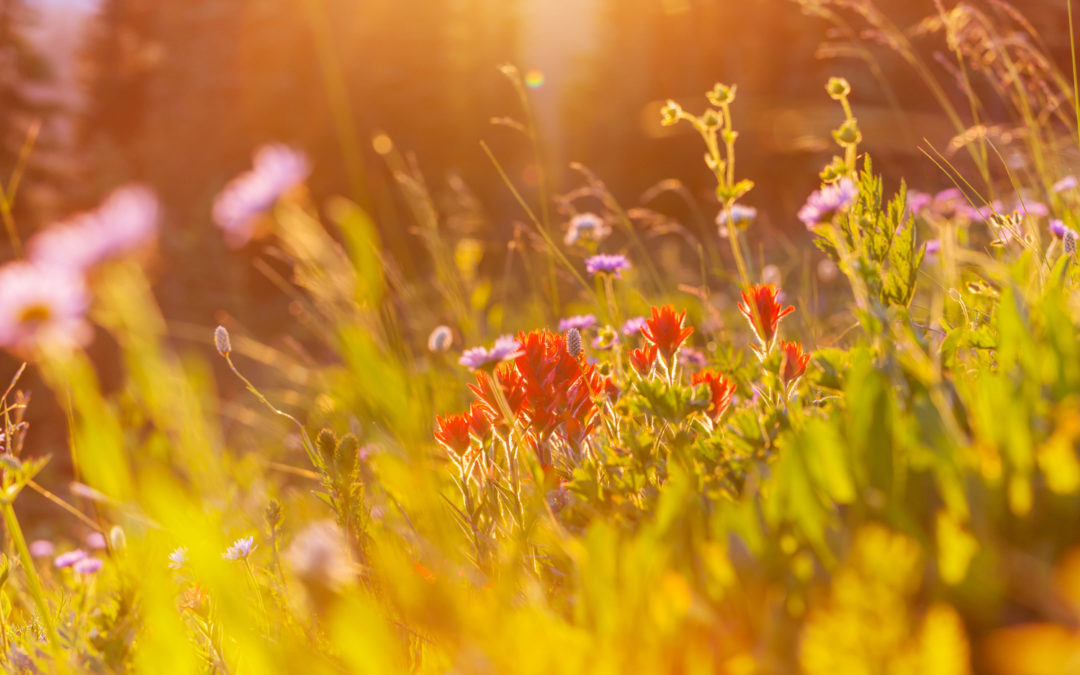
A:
(620, 456)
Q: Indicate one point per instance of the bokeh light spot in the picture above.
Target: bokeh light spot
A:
(534, 79)
(382, 144)
(531, 174)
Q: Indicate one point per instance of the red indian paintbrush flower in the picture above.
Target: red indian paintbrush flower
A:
(665, 331)
(793, 364)
(513, 392)
(762, 309)
(453, 433)
(720, 390)
(642, 360)
(479, 421)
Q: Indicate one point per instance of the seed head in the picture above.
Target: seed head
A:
(440, 339)
(573, 342)
(221, 341)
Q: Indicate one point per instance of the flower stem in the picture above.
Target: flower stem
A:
(34, 582)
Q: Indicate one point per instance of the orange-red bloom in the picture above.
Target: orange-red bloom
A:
(720, 390)
(793, 364)
(512, 388)
(479, 421)
(665, 331)
(559, 388)
(642, 360)
(760, 307)
(453, 432)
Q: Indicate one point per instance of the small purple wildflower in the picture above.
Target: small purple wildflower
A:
(41, 548)
(611, 264)
(581, 322)
(692, 357)
(633, 326)
(1059, 229)
(933, 247)
(277, 169)
(917, 202)
(586, 226)
(825, 203)
(126, 221)
(88, 565)
(505, 347)
(1031, 208)
(240, 549)
(178, 558)
(70, 558)
(739, 214)
(1065, 184)
(982, 213)
(41, 306)
(95, 540)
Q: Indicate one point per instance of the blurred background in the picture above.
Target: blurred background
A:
(178, 93)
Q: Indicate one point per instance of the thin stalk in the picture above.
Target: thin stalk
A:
(37, 592)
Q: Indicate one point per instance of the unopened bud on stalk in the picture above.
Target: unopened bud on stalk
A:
(221, 341)
(117, 539)
(838, 87)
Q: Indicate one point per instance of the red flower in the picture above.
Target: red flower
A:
(453, 433)
(643, 359)
(720, 390)
(559, 388)
(479, 421)
(793, 364)
(513, 390)
(665, 331)
(760, 307)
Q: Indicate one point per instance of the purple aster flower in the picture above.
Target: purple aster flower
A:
(633, 326)
(88, 565)
(95, 540)
(41, 307)
(240, 549)
(917, 202)
(739, 214)
(980, 214)
(1059, 229)
(1031, 208)
(41, 548)
(612, 264)
(1066, 183)
(277, 169)
(125, 222)
(70, 558)
(933, 247)
(825, 203)
(178, 558)
(691, 357)
(586, 226)
(581, 322)
(505, 347)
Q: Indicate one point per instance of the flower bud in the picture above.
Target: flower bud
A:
(721, 94)
(838, 88)
(221, 341)
(117, 539)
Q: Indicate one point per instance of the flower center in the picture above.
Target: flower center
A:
(35, 314)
